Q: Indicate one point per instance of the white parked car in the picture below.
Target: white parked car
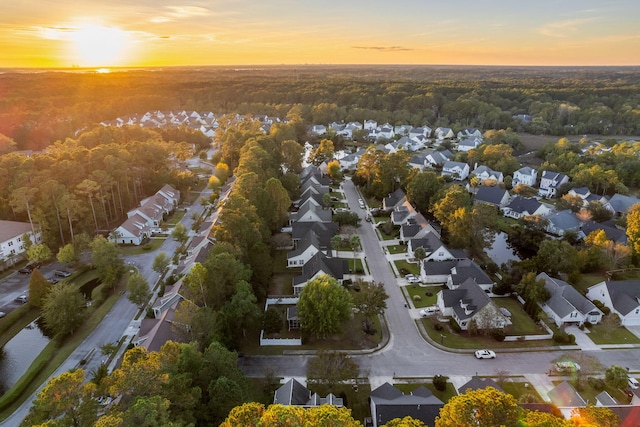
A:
(412, 278)
(567, 366)
(361, 203)
(485, 354)
(633, 383)
(429, 311)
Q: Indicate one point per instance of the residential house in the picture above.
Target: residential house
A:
(385, 131)
(469, 302)
(457, 170)
(587, 197)
(443, 133)
(324, 231)
(494, 196)
(350, 161)
(318, 265)
(437, 159)
(310, 213)
(387, 403)
(469, 144)
(550, 183)
(404, 213)
(318, 129)
(468, 133)
(612, 232)
(171, 195)
(525, 175)
(424, 131)
(434, 248)
(478, 383)
(402, 130)
(293, 393)
(525, 206)
(567, 306)
(563, 222)
(565, 397)
(619, 204)
(436, 272)
(419, 161)
(12, 238)
(393, 200)
(307, 247)
(621, 296)
(467, 269)
(370, 124)
(486, 174)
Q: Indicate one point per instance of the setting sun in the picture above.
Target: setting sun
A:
(95, 45)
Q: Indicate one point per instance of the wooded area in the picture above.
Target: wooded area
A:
(37, 109)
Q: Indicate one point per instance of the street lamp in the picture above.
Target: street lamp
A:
(442, 339)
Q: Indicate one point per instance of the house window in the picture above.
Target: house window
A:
(441, 253)
(637, 310)
(10, 244)
(13, 251)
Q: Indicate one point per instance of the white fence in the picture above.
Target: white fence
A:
(285, 300)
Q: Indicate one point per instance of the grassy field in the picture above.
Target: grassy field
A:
(176, 217)
(397, 249)
(422, 291)
(473, 342)
(151, 246)
(355, 265)
(599, 335)
(519, 388)
(522, 323)
(410, 267)
(587, 280)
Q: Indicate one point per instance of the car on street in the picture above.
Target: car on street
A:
(429, 311)
(412, 278)
(567, 366)
(2, 314)
(54, 281)
(22, 298)
(633, 383)
(62, 273)
(485, 354)
(361, 204)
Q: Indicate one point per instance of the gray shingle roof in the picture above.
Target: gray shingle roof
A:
(565, 395)
(292, 393)
(334, 267)
(524, 205)
(565, 298)
(564, 220)
(477, 383)
(493, 195)
(621, 203)
(391, 403)
(625, 295)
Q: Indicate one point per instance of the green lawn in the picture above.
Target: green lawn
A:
(599, 335)
(176, 217)
(394, 235)
(422, 291)
(397, 249)
(411, 268)
(589, 394)
(520, 388)
(466, 341)
(522, 323)
(355, 265)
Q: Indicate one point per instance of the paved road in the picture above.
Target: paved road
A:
(407, 353)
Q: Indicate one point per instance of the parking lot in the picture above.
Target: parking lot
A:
(16, 285)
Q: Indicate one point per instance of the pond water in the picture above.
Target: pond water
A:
(501, 251)
(18, 353)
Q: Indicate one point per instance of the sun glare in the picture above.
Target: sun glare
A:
(96, 46)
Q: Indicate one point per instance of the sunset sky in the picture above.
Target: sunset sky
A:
(109, 33)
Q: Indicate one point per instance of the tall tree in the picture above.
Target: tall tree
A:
(160, 263)
(483, 407)
(324, 306)
(66, 400)
(39, 288)
(107, 261)
(371, 301)
(421, 189)
(138, 290)
(64, 309)
(633, 227)
(330, 368)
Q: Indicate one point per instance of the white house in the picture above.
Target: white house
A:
(622, 298)
(133, 231)
(443, 133)
(526, 176)
(469, 133)
(469, 144)
(307, 248)
(525, 206)
(458, 170)
(318, 129)
(438, 158)
(567, 306)
(563, 222)
(494, 196)
(550, 182)
(12, 235)
(469, 302)
(386, 131)
(485, 173)
(370, 125)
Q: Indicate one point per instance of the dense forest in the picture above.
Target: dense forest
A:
(37, 109)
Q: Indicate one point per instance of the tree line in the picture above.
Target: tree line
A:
(40, 108)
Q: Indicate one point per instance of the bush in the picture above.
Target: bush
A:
(146, 247)
(561, 337)
(417, 298)
(440, 382)
(438, 327)
(498, 335)
(603, 308)
(456, 328)
(596, 383)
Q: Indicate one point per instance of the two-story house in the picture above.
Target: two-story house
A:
(550, 183)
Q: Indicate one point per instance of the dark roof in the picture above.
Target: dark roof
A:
(624, 294)
(437, 268)
(393, 199)
(323, 230)
(334, 267)
(292, 393)
(612, 233)
(564, 297)
(472, 295)
(621, 203)
(493, 195)
(477, 383)
(410, 230)
(309, 239)
(564, 220)
(524, 204)
(467, 269)
(391, 403)
(565, 395)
